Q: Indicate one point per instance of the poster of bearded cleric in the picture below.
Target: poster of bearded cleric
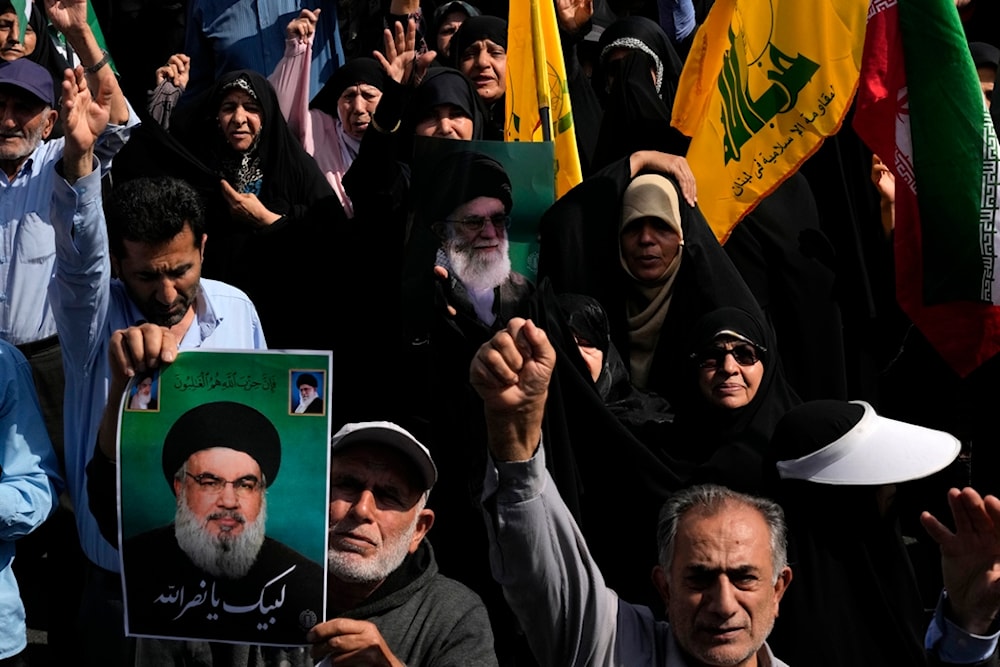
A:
(223, 499)
(509, 184)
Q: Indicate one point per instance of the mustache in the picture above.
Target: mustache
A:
(13, 134)
(227, 514)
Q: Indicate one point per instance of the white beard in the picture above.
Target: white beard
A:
(348, 566)
(141, 401)
(477, 272)
(226, 556)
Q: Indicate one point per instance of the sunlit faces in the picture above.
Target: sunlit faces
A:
(377, 513)
(447, 121)
(721, 591)
(649, 245)
(24, 122)
(162, 280)
(476, 243)
(730, 384)
(11, 47)
(485, 63)
(355, 107)
(221, 511)
(240, 117)
(449, 26)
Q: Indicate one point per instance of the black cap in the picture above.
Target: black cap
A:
(222, 424)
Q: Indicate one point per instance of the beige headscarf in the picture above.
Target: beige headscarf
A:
(649, 196)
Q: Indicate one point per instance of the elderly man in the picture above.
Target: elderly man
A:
(391, 604)
(470, 215)
(156, 235)
(722, 569)
(310, 402)
(219, 459)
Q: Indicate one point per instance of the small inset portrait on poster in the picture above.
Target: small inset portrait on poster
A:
(145, 391)
(307, 392)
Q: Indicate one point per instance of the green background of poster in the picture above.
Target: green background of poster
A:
(297, 499)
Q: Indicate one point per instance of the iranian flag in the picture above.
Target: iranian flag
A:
(921, 109)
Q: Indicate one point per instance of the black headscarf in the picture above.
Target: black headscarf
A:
(703, 422)
(45, 53)
(358, 70)
(443, 85)
(440, 14)
(472, 30)
(636, 108)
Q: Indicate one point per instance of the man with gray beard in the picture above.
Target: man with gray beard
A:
(217, 575)
(387, 602)
(471, 216)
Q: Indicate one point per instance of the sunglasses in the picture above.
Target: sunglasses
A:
(745, 354)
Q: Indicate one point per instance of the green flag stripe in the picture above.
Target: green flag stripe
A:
(946, 121)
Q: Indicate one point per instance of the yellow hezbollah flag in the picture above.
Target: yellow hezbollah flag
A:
(765, 82)
(533, 47)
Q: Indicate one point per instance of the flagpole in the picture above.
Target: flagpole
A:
(541, 72)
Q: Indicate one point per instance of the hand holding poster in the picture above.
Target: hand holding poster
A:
(223, 497)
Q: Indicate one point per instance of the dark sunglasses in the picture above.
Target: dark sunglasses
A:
(745, 354)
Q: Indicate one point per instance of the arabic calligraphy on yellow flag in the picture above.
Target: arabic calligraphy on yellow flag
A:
(765, 82)
(533, 45)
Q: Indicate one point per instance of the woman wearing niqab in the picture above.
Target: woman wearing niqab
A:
(636, 81)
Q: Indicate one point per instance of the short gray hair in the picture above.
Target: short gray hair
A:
(712, 499)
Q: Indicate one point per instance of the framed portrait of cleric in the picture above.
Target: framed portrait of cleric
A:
(527, 166)
(222, 497)
(144, 392)
(307, 396)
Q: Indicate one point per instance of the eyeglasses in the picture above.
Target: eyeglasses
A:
(475, 223)
(745, 354)
(208, 483)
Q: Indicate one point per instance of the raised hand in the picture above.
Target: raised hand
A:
(84, 117)
(666, 163)
(177, 70)
(573, 14)
(303, 27)
(970, 558)
(401, 60)
(511, 372)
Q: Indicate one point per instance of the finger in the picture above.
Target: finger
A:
(487, 372)
(400, 37)
(383, 63)
(411, 35)
(441, 272)
(541, 349)
(974, 510)
(962, 511)
(389, 44)
(119, 356)
(937, 530)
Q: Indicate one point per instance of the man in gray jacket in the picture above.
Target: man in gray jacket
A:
(722, 569)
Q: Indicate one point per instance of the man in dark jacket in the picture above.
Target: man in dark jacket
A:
(385, 596)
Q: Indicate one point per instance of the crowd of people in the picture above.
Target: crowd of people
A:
(638, 456)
